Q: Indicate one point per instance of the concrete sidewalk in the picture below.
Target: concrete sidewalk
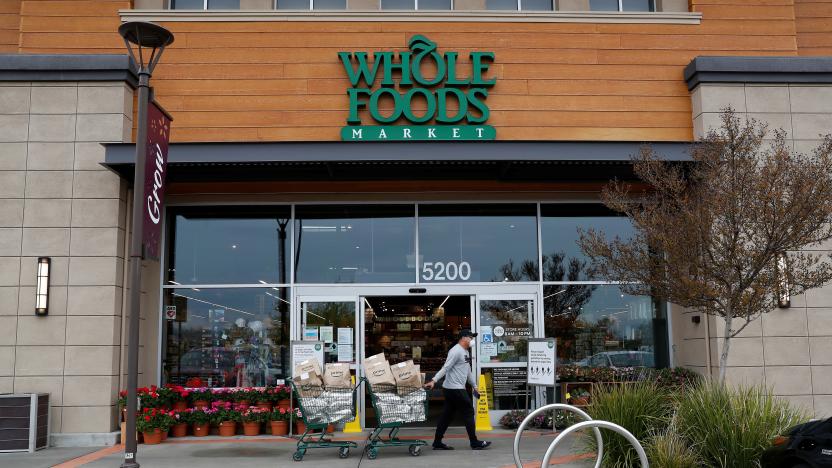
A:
(267, 451)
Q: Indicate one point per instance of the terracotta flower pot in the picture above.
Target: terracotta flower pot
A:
(251, 428)
(280, 428)
(300, 427)
(179, 430)
(580, 401)
(164, 435)
(228, 428)
(201, 430)
(264, 405)
(180, 406)
(284, 404)
(201, 404)
(153, 438)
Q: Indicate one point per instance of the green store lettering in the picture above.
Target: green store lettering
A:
(439, 92)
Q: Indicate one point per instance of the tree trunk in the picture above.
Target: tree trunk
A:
(723, 358)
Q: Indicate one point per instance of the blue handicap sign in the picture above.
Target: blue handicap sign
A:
(487, 338)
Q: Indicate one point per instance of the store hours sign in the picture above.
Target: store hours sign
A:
(419, 94)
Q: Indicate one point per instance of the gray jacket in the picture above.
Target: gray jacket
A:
(457, 370)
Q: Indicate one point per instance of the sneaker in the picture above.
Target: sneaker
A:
(441, 446)
(481, 445)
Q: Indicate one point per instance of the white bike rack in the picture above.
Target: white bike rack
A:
(595, 425)
(556, 406)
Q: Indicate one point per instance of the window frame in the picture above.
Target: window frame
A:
(415, 7)
(622, 10)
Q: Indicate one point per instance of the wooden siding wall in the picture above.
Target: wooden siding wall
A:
(814, 26)
(9, 25)
(282, 81)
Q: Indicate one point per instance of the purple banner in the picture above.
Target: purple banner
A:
(155, 170)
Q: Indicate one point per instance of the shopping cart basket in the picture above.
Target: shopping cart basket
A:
(395, 406)
(319, 407)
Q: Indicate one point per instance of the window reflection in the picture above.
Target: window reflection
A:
(235, 246)
(563, 259)
(599, 326)
(235, 337)
(478, 243)
(355, 244)
(505, 329)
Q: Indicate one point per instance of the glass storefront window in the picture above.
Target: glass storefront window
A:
(599, 326)
(355, 244)
(226, 337)
(334, 324)
(505, 328)
(230, 246)
(478, 243)
(563, 259)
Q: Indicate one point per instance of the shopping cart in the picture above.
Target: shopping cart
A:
(319, 407)
(395, 406)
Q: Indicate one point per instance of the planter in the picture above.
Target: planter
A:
(251, 428)
(280, 428)
(201, 404)
(285, 404)
(179, 430)
(164, 435)
(201, 430)
(300, 427)
(153, 438)
(228, 429)
(264, 405)
(580, 401)
(180, 406)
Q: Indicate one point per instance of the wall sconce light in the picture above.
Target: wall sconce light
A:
(42, 291)
(695, 319)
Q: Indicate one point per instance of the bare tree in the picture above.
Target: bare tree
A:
(730, 234)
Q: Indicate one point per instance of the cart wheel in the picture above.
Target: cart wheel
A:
(372, 453)
(298, 456)
(343, 452)
(415, 450)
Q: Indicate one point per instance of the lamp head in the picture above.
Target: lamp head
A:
(145, 34)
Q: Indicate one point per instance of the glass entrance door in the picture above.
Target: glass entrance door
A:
(505, 324)
(333, 320)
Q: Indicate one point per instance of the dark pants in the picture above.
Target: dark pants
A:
(456, 401)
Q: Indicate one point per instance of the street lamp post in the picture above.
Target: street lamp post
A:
(149, 40)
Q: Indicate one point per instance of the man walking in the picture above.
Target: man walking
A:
(457, 371)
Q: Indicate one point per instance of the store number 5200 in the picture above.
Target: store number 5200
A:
(446, 271)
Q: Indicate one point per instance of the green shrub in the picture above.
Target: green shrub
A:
(643, 408)
(670, 449)
(731, 427)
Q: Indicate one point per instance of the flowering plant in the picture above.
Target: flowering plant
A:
(245, 394)
(512, 419)
(151, 419)
(201, 394)
(194, 382)
(174, 393)
(280, 414)
(198, 415)
(122, 399)
(280, 392)
(149, 397)
(224, 411)
(179, 417)
(254, 414)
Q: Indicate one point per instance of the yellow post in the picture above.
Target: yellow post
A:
(354, 425)
(483, 420)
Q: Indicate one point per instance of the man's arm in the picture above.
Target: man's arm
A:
(449, 361)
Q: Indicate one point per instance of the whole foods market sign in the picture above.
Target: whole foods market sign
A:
(445, 103)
